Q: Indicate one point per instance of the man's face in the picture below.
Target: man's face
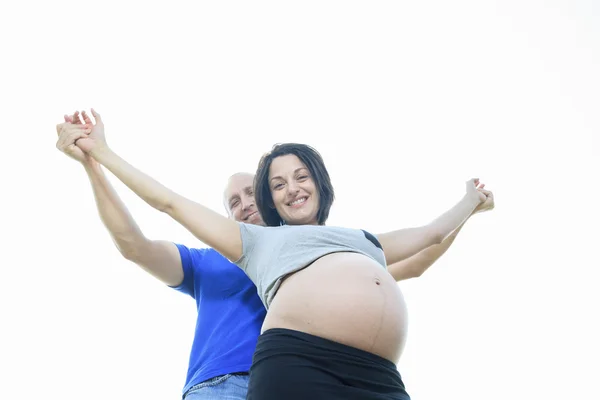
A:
(239, 199)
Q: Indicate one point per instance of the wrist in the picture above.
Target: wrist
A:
(472, 201)
(90, 164)
(99, 153)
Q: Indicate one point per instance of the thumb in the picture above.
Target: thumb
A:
(96, 116)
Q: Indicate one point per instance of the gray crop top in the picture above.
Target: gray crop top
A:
(271, 253)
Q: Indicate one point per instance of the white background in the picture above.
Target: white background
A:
(405, 101)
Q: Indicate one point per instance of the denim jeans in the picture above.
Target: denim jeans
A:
(224, 387)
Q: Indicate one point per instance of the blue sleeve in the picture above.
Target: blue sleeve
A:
(191, 262)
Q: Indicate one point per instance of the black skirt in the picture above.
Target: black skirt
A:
(290, 365)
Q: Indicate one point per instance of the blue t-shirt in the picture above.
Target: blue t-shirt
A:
(230, 315)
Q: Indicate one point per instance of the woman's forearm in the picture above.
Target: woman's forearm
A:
(212, 228)
(448, 222)
(150, 190)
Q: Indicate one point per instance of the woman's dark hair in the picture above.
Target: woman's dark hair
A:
(313, 161)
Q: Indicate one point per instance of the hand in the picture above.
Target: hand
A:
(73, 151)
(95, 140)
(474, 193)
(488, 204)
(68, 133)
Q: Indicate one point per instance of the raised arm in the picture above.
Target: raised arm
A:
(415, 266)
(404, 243)
(210, 227)
(158, 257)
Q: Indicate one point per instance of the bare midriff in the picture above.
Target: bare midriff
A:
(345, 297)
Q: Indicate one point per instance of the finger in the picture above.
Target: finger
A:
(78, 125)
(67, 128)
(68, 118)
(60, 128)
(96, 116)
(88, 128)
(62, 137)
(76, 118)
(86, 118)
(69, 139)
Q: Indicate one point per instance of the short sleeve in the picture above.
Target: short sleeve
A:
(250, 236)
(191, 260)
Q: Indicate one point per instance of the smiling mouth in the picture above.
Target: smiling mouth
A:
(298, 202)
(250, 215)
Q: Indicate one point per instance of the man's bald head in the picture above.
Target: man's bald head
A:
(238, 199)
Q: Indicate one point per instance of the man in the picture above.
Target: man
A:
(226, 332)
(228, 325)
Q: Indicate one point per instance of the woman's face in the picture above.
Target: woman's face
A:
(293, 190)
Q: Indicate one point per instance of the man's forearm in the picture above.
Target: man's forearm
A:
(114, 214)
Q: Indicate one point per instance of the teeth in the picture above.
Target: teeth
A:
(299, 201)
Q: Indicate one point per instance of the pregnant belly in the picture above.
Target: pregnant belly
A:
(345, 297)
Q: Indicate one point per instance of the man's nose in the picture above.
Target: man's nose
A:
(247, 203)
